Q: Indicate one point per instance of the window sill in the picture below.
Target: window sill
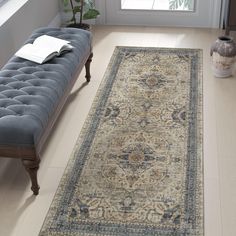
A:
(8, 9)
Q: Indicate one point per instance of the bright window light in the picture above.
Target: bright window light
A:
(175, 5)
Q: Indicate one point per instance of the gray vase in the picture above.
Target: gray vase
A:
(223, 52)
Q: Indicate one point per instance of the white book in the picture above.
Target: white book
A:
(43, 49)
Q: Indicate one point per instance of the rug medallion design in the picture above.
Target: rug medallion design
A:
(137, 166)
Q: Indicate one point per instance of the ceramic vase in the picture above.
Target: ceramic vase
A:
(223, 52)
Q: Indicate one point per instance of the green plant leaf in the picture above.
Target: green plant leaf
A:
(89, 11)
(76, 9)
(65, 2)
(67, 10)
(91, 14)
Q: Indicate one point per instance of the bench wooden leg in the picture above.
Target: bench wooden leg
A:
(87, 67)
(32, 167)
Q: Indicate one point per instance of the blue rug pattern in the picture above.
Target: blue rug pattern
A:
(137, 166)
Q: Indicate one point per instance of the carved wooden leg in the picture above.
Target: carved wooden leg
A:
(32, 167)
(87, 67)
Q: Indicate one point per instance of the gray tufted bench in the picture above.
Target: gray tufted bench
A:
(32, 96)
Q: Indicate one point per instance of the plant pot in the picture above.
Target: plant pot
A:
(223, 52)
(79, 26)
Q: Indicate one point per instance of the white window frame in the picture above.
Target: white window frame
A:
(214, 18)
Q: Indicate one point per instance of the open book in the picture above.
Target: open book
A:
(43, 49)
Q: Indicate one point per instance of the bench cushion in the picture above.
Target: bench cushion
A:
(30, 93)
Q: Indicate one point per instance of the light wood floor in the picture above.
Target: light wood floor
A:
(21, 214)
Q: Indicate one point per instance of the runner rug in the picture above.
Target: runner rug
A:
(137, 165)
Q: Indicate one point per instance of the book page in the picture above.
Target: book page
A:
(55, 44)
(43, 48)
(32, 53)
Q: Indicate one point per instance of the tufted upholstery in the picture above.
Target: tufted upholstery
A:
(30, 93)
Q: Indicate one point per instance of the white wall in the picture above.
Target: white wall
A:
(33, 14)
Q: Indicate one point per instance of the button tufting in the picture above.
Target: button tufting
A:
(30, 93)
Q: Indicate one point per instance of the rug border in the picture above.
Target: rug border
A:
(80, 139)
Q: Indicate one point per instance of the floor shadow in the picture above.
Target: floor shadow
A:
(14, 182)
(28, 201)
(69, 100)
(73, 95)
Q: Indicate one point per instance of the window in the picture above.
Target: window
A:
(179, 5)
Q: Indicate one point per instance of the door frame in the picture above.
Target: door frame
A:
(215, 14)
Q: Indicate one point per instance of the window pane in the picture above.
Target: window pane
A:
(179, 5)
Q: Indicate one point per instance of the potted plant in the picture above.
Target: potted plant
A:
(85, 9)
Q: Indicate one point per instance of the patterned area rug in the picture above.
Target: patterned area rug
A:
(137, 166)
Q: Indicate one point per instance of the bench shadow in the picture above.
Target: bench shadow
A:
(14, 181)
(73, 95)
(13, 184)
(69, 100)
(13, 216)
